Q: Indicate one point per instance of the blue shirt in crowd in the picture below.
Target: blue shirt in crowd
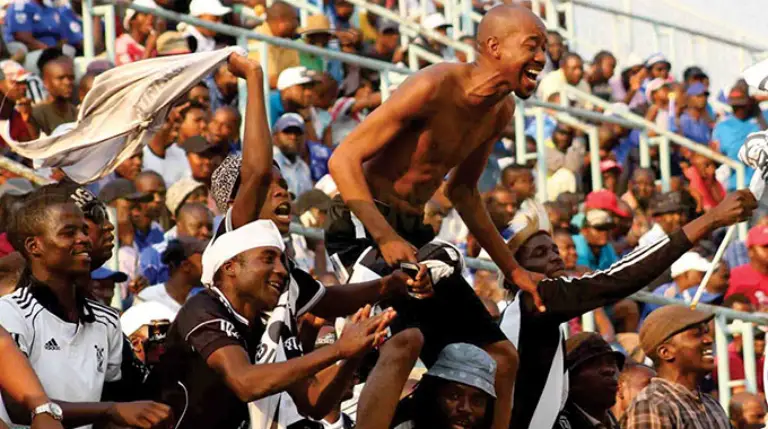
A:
(686, 295)
(603, 261)
(217, 98)
(730, 134)
(47, 24)
(153, 236)
(276, 109)
(318, 159)
(694, 129)
(549, 127)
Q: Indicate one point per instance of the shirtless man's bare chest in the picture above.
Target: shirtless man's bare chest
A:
(450, 127)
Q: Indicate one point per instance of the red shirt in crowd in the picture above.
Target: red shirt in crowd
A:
(127, 50)
(750, 283)
(736, 367)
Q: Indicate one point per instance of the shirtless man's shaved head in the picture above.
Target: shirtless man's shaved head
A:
(513, 40)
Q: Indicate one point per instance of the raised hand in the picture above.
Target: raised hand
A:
(242, 67)
(736, 207)
(396, 250)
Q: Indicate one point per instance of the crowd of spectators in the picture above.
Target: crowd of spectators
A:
(114, 343)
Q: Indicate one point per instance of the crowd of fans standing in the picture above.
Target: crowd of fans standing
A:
(174, 195)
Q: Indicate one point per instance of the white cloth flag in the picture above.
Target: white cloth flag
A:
(121, 113)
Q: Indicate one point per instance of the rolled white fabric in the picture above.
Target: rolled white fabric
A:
(260, 233)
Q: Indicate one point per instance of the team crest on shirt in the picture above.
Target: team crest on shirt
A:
(99, 358)
(564, 423)
(74, 27)
(21, 18)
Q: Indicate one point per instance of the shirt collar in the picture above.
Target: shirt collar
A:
(45, 296)
(679, 388)
(593, 421)
(223, 299)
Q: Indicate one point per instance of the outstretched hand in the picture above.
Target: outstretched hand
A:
(736, 207)
(528, 281)
(242, 66)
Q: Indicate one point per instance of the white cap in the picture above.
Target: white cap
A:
(208, 7)
(434, 21)
(143, 314)
(633, 60)
(690, 261)
(293, 76)
(130, 13)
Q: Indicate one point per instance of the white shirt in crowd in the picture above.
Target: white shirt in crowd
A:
(296, 173)
(173, 167)
(159, 294)
(204, 44)
(72, 360)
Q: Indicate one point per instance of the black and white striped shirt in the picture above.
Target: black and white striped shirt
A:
(541, 387)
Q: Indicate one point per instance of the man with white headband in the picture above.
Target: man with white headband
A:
(208, 374)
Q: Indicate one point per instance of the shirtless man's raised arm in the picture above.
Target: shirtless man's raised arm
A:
(412, 100)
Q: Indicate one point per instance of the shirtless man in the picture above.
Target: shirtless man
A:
(446, 117)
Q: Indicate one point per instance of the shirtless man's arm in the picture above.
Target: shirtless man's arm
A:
(462, 190)
(412, 100)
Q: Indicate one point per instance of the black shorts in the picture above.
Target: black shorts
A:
(453, 315)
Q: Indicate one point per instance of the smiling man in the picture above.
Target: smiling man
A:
(679, 342)
(443, 119)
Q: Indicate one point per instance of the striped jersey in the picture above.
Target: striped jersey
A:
(72, 360)
(541, 387)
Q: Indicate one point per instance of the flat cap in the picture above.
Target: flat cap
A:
(666, 322)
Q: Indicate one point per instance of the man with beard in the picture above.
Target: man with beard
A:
(593, 373)
(679, 342)
(457, 392)
(542, 372)
(443, 119)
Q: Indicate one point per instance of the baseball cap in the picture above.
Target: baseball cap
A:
(143, 314)
(199, 144)
(666, 322)
(597, 218)
(105, 273)
(738, 97)
(657, 58)
(653, 86)
(179, 191)
(224, 179)
(385, 25)
(172, 43)
(758, 236)
(585, 346)
(293, 76)
(289, 120)
(130, 13)
(669, 202)
(690, 261)
(609, 164)
(466, 364)
(434, 21)
(696, 88)
(122, 188)
(605, 200)
(16, 186)
(208, 7)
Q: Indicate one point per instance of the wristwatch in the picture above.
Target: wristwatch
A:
(49, 408)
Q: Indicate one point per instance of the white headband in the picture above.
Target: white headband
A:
(260, 233)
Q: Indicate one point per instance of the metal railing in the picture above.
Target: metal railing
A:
(575, 116)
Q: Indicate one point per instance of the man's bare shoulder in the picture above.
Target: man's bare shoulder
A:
(442, 75)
